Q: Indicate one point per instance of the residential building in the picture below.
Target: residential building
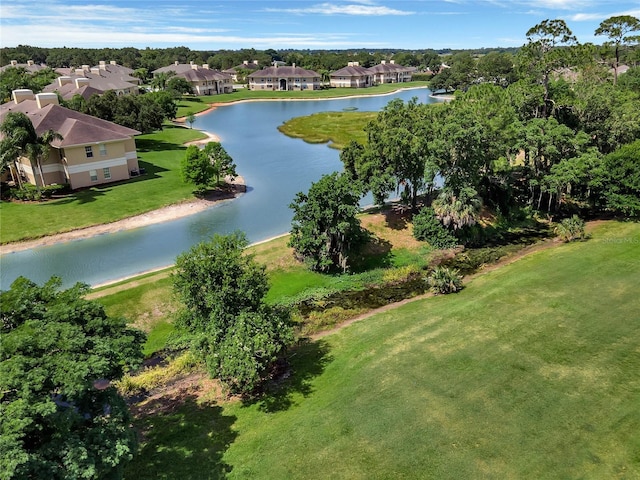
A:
(92, 151)
(284, 78)
(246, 66)
(203, 80)
(87, 81)
(351, 76)
(390, 72)
(30, 66)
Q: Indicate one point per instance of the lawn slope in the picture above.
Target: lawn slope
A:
(532, 371)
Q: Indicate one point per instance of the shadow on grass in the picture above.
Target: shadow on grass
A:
(306, 361)
(186, 442)
(155, 145)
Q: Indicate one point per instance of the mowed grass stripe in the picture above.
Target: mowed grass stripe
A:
(532, 371)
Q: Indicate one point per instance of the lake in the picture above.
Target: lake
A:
(274, 166)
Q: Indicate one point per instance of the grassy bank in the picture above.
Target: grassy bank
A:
(335, 128)
(530, 372)
(159, 154)
(193, 105)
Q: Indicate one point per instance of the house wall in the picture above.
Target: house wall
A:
(293, 83)
(112, 163)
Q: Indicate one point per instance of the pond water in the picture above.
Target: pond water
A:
(274, 166)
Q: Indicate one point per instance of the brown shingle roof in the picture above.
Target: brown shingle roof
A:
(76, 128)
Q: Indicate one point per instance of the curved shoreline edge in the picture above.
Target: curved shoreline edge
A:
(170, 212)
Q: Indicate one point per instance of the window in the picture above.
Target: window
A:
(93, 175)
(106, 172)
(88, 151)
(103, 150)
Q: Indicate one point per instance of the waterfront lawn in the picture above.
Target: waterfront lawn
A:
(192, 105)
(531, 372)
(335, 128)
(159, 153)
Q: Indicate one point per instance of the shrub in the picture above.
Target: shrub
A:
(571, 229)
(427, 228)
(444, 280)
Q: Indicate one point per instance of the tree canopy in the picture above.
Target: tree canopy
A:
(225, 319)
(59, 417)
(325, 232)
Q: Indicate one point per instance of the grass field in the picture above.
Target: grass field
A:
(531, 372)
(159, 153)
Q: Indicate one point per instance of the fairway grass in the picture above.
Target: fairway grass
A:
(532, 371)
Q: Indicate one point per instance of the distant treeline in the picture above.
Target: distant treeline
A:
(154, 58)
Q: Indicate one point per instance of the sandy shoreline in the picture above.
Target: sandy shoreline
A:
(170, 212)
(164, 214)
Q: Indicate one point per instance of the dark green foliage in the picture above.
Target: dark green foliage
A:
(444, 280)
(226, 321)
(325, 231)
(205, 167)
(57, 420)
(618, 181)
(196, 168)
(427, 228)
(145, 113)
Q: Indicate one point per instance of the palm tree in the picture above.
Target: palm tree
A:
(457, 209)
(38, 151)
(18, 133)
(21, 139)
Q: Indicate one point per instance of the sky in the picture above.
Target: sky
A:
(295, 24)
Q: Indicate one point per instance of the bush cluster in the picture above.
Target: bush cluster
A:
(427, 228)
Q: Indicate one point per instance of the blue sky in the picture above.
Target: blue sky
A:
(297, 24)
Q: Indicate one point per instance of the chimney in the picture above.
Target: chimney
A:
(255, 62)
(44, 99)
(63, 80)
(194, 66)
(245, 62)
(383, 62)
(30, 63)
(176, 62)
(205, 65)
(14, 63)
(81, 82)
(112, 62)
(293, 65)
(350, 64)
(22, 94)
(392, 62)
(95, 70)
(102, 65)
(85, 68)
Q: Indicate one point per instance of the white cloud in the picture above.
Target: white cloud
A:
(589, 17)
(46, 35)
(361, 9)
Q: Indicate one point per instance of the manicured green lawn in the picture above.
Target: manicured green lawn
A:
(339, 128)
(159, 153)
(531, 372)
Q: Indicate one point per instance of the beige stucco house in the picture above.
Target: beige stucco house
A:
(203, 80)
(30, 66)
(284, 78)
(92, 151)
(246, 66)
(351, 76)
(390, 72)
